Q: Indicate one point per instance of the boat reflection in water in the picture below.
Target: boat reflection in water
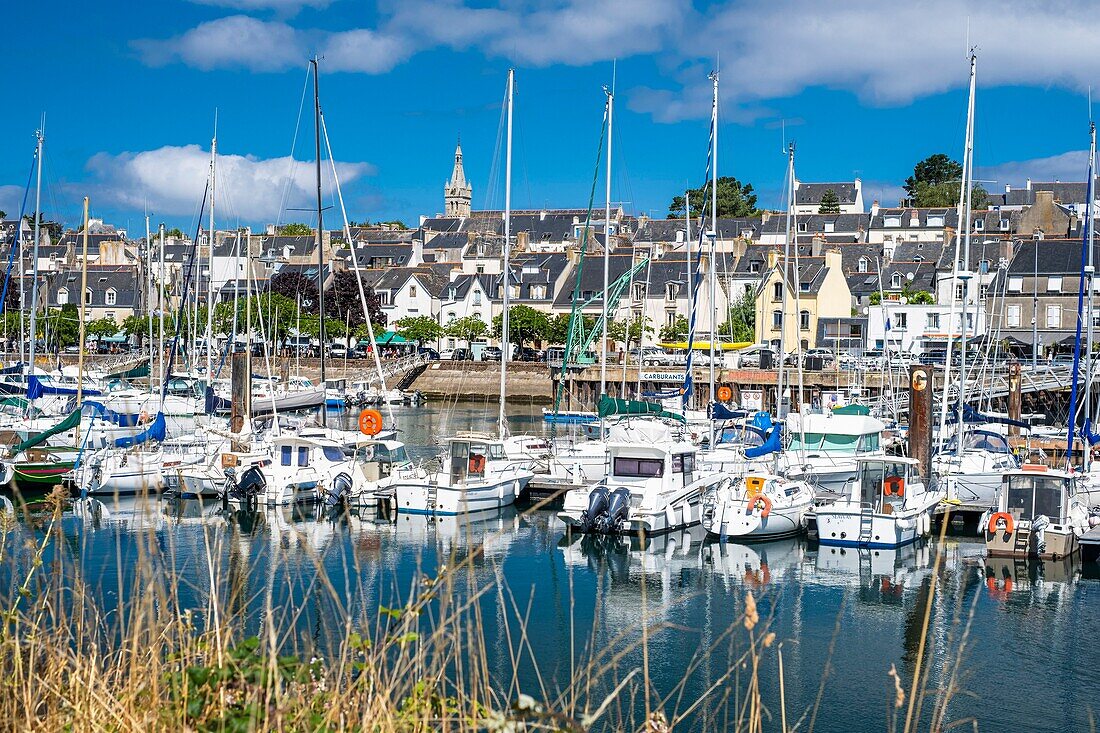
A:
(885, 573)
(756, 566)
(1035, 582)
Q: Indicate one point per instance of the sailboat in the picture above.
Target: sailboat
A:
(969, 471)
(476, 472)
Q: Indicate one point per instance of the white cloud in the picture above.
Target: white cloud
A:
(1068, 166)
(364, 51)
(170, 181)
(235, 41)
(284, 7)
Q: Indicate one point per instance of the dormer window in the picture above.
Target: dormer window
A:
(863, 265)
(895, 280)
(111, 296)
(62, 296)
(754, 266)
(830, 226)
(936, 220)
(979, 225)
(892, 221)
(670, 291)
(802, 226)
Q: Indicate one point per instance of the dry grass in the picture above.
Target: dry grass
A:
(72, 661)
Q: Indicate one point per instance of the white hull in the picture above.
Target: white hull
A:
(846, 525)
(463, 498)
(729, 519)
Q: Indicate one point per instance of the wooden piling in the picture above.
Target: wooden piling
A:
(1015, 397)
(920, 417)
(241, 401)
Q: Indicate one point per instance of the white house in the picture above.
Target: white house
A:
(919, 329)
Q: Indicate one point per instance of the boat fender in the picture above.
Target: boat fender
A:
(999, 517)
(762, 504)
(597, 506)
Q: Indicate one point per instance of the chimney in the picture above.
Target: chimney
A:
(417, 253)
(521, 241)
(773, 258)
(914, 218)
(833, 259)
(542, 216)
(817, 244)
(874, 208)
(1028, 187)
(1008, 188)
(1037, 235)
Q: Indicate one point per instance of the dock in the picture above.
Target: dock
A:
(1090, 545)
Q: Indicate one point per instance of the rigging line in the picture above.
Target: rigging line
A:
(183, 300)
(689, 381)
(291, 162)
(498, 146)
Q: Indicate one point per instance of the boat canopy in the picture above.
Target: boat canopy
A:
(773, 443)
(852, 410)
(609, 406)
(36, 389)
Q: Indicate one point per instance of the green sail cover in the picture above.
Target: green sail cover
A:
(609, 406)
(67, 424)
(852, 410)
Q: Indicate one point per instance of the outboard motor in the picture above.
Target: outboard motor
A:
(339, 491)
(597, 506)
(618, 506)
(250, 486)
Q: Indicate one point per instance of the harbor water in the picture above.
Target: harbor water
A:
(1014, 644)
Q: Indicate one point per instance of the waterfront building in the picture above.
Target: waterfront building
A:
(808, 197)
(822, 293)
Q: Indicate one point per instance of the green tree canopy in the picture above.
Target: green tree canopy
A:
(830, 202)
(677, 331)
(295, 229)
(418, 329)
(138, 326)
(467, 328)
(101, 328)
(912, 297)
(174, 232)
(734, 199)
(525, 324)
(741, 324)
(631, 331)
(936, 182)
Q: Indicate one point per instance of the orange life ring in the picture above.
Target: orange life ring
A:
(370, 422)
(764, 510)
(1000, 594)
(758, 578)
(1009, 524)
(725, 394)
(893, 486)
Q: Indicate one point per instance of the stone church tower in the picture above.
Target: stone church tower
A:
(458, 193)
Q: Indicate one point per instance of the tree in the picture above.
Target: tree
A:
(418, 329)
(830, 202)
(467, 328)
(101, 328)
(630, 332)
(525, 324)
(174, 233)
(741, 324)
(912, 297)
(297, 288)
(3, 214)
(295, 229)
(734, 199)
(557, 331)
(677, 331)
(139, 325)
(343, 303)
(936, 182)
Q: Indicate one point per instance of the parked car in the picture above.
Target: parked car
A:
(752, 359)
(446, 354)
(660, 357)
(429, 352)
(526, 353)
(360, 351)
(462, 355)
(338, 351)
(491, 353)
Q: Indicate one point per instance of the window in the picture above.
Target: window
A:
(960, 291)
(333, 453)
(1054, 316)
(830, 226)
(383, 297)
(777, 320)
(1012, 316)
(983, 267)
(892, 221)
(513, 291)
(895, 280)
(638, 291)
(412, 291)
(670, 291)
(683, 463)
(639, 467)
(932, 321)
(979, 225)
(88, 296)
(754, 266)
(935, 221)
(901, 320)
(1015, 284)
(1054, 284)
(777, 291)
(284, 455)
(804, 320)
(477, 297)
(538, 292)
(1004, 225)
(864, 265)
(110, 297)
(62, 296)
(303, 456)
(801, 226)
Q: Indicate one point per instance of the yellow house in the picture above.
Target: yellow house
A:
(795, 300)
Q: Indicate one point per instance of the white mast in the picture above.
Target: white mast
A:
(160, 305)
(713, 279)
(965, 274)
(149, 291)
(506, 347)
(40, 135)
(1090, 282)
(784, 283)
(210, 260)
(606, 245)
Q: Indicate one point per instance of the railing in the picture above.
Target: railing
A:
(397, 367)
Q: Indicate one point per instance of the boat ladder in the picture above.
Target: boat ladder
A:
(866, 524)
(431, 496)
(1021, 542)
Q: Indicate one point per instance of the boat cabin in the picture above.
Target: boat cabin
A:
(1036, 491)
(469, 458)
(986, 440)
(883, 483)
(299, 452)
(1036, 515)
(378, 458)
(837, 434)
(638, 465)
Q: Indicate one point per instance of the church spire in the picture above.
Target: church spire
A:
(458, 192)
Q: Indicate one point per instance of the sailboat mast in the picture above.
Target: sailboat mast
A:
(210, 259)
(783, 281)
(1090, 282)
(964, 275)
(160, 305)
(34, 247)
(83, 320)
(713, 276)
(506, 347)
(606, 244)
(319, 238)
(149, 291)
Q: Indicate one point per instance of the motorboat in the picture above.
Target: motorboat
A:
(476, 474)
(298, 470)
(120, 471)
(1038, 515)
(651, 488)
(760, 506)
(972, 476)
(825, 448)
(885, 505)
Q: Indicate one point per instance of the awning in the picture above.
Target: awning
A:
(389, 338)
(118, 338)
(705, 345)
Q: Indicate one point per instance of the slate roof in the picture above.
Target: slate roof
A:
(101, 278)
(811, 274)
(374, 256)
(906, 215)
(1055, 257)
(816, 223)
(810, 193)
(1064, 193)
(591, 281)
(664, 230)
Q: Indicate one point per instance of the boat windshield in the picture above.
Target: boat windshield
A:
(740, 436)
(1032, 496)
(806, 441)
(382, 454)
(639, 467)
(333, 453)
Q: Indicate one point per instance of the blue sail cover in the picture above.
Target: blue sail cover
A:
(762, 420)
(1086, 432)
(773, 443)
(36, 389)
(718, 411)
(105, 413)
(970, 415)
(156, 432)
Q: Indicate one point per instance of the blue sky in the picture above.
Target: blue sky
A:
(129, 92)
